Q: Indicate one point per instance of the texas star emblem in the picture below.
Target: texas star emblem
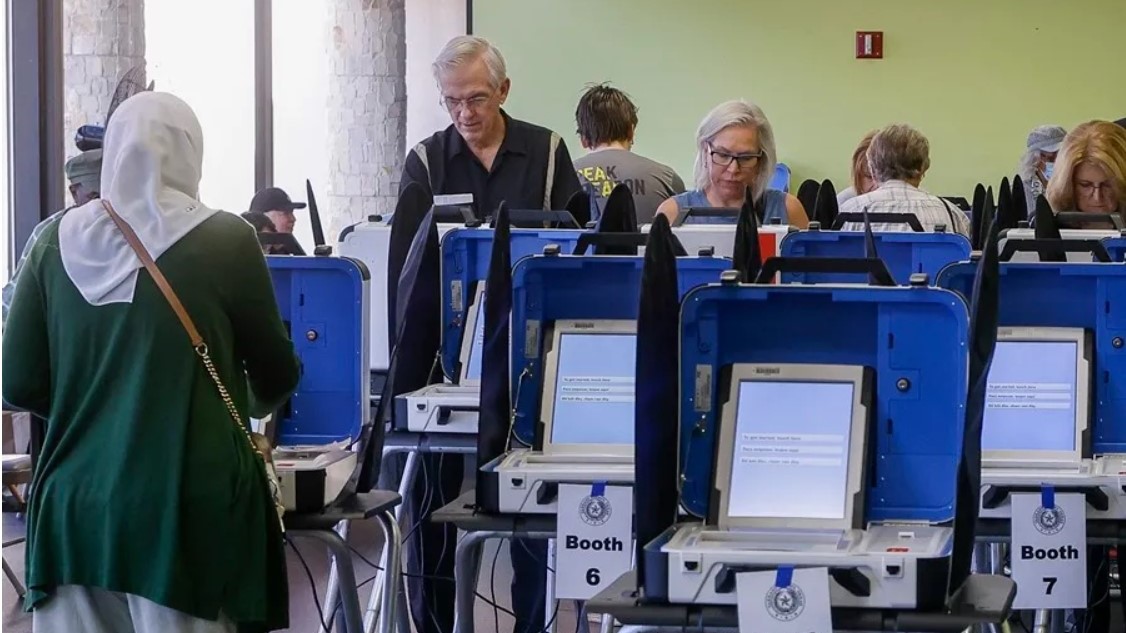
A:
(785, 603)
(595, 510)
(1049, 521)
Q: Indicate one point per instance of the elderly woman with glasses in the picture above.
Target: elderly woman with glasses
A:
(735, 157)
(1091, 171)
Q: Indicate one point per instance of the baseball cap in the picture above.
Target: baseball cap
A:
(273, 199)
(1046, 138)
(85, 169)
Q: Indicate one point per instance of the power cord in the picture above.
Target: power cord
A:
(312, 585)
(493, 588)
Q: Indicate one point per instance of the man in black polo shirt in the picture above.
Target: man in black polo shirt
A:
(495, 158)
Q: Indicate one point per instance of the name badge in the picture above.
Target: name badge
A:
(784, 601)
(594, 539)
(1049, 550)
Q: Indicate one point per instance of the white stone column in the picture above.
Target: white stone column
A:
(102, 39)
(367, 101)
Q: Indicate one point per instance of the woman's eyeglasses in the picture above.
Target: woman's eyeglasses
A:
(724, 159)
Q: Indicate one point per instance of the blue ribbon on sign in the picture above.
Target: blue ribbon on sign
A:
(598, 489)
(1047, 496)
(784, 577)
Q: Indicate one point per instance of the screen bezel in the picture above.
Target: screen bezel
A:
(551, 371)
(1082, 341)
(857, 448)
(471, 314)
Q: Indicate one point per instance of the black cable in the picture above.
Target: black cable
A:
(493, 588)
(312, 585)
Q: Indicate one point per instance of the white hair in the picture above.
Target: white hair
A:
(728, 114)
(468, 48)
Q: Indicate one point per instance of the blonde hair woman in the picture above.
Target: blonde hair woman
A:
(735, 152)
(861, 175)
(1090, 174)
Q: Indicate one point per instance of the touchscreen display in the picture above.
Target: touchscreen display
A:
(791, 450)
(1030, 397)
(594, 386)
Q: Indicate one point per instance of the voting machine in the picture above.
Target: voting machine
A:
(325, 306)
(904, 254)
(452, 406)
(811, 447)
(369, 242)
(1022, 238)
(1055, 401)
(573, 364)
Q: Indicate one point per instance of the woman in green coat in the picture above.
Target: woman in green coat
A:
(149, 510)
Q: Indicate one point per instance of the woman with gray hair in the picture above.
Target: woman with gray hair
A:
(1038, 161)
(898, 158)
(735, 155)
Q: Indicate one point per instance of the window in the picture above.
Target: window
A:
(301, 138)
(203, 52)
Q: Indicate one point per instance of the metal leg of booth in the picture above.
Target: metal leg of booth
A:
(410, 470)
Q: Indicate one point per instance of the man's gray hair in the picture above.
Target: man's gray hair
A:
(898, 152)
(468, 48)
(728, 114)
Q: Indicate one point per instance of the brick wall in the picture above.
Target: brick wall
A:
(366, 108)
(102, 39)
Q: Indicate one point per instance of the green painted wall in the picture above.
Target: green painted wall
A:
(974, 75)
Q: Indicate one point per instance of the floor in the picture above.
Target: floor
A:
(366, 538)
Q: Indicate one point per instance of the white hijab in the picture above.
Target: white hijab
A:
(151, 167)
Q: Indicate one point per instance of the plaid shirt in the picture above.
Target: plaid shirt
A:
(10, 287)
(896, 196)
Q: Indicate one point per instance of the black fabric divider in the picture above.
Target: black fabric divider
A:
(618, 216)
(1020, 201)
(807, 195)
(746, 253)
(874, 268)
(656, 416)
(984, 308)
(825, 209)
(495, 404)
(1046, 228)
(410, 211)
(416, 339)
(975, 217)
(870, 246)
(1004, 205)
(579, 206)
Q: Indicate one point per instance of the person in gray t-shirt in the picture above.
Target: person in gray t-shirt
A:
(606, 120)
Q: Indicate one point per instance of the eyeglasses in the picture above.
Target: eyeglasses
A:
(1090, 189)
(456, 105)
(723, 159)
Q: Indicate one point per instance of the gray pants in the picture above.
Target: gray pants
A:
(74, 609)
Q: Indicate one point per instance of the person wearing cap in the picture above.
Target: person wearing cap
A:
(275, 204)
(1039, 160)
(84, 172)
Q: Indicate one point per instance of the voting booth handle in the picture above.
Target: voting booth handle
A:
(784, 577)
(875, 268)
(1050, 247)
(1047, 497)
(540, 219)
(857, 217)
(587, 240)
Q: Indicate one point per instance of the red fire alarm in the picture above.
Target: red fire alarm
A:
(869, 45)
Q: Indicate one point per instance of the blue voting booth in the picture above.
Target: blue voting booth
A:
(323, 304)
(1116, 248)
(914, 339)
(550, 288)
(1079, 295)
(465, 265)
(904, 254)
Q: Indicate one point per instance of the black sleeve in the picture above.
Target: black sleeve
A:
(566, 182)
(414, 171)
